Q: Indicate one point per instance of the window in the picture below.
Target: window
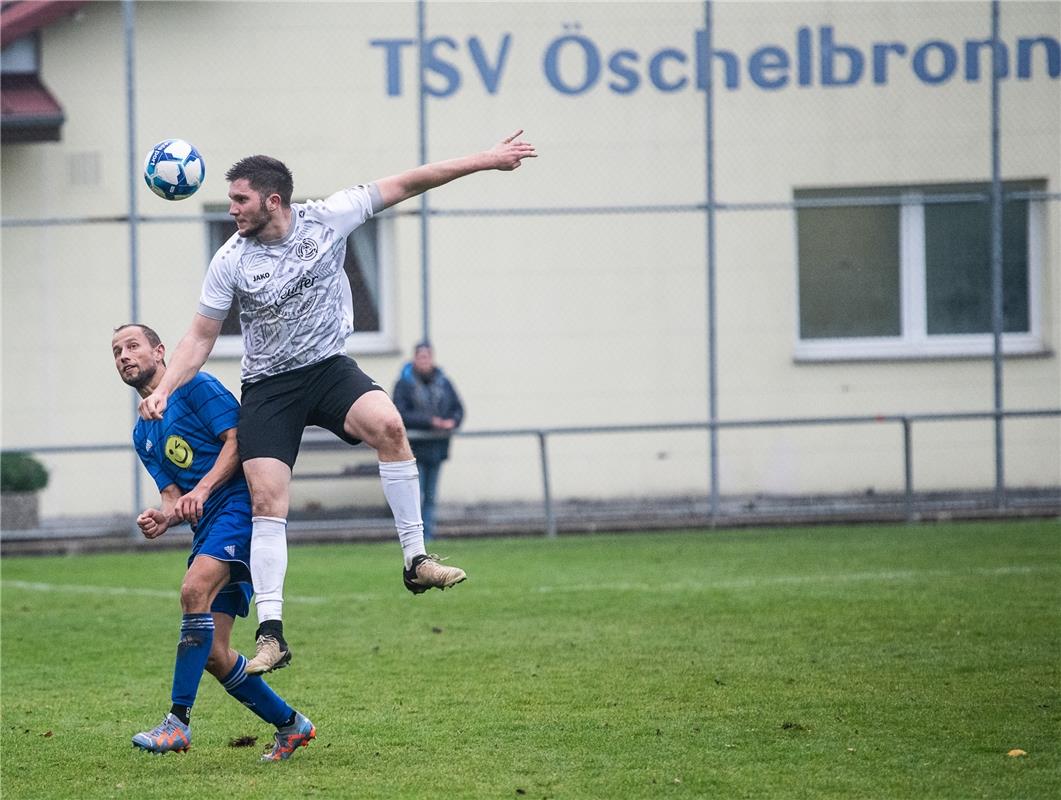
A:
(22, 56)
(365, 266)
(888, 272)
(30, 112)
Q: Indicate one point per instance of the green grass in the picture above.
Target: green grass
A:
(843, 662)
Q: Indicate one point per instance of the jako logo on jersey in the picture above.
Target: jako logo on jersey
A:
(306, 250)
(295, 288)
(179, 451)
(148, 445)
(261, 276)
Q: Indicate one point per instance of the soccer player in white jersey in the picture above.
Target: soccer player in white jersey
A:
(285, 267)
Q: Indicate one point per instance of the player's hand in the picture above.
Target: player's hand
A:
(509, 153)
(152, 523)
(152, 406)
(190, 507)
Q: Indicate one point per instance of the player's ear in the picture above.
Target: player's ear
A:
(273, 202)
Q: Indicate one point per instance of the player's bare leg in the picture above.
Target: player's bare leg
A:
(374, 420)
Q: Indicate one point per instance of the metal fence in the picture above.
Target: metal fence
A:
(907, 505)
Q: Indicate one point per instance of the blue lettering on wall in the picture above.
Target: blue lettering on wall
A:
(944, 66)
(393, 53)
(490, 73)
(436, 65)
(579, 48)
(834, 57)
(1024, 56)
(880, 59)
(768, 60)
(804, 46)
(574, 63)
(621, 64)
(972, 59)
(655, 70)
(729, 60)
(442, 76)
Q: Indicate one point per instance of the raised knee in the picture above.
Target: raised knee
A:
(393, 429)
(385, 432)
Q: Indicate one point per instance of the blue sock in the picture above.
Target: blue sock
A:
(256, 695)
(197, 635)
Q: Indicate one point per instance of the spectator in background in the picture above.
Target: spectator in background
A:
(428, 401)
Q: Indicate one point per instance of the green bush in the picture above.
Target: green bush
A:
(21, 472)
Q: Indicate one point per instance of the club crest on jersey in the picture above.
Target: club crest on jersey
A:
(179, 451)
(306, 250)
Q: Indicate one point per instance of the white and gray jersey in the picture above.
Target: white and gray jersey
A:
(294, 296)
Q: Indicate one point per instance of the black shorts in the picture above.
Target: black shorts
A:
(275, 410)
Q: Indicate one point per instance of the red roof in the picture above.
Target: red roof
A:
(19, 18)
(24, 96)
(28, 111)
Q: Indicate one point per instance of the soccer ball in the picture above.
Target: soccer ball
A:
(174, 169)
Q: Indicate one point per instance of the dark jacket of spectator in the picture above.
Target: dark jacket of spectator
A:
(421, 399)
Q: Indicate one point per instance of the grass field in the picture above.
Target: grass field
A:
(844, 662)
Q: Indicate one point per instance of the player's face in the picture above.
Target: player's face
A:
(135, 359)
(247, 207)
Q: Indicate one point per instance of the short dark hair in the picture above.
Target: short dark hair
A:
(266, 175)
(423, 345)
(149, 333)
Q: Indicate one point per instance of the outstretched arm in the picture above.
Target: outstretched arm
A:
(506, 155)
(189, 357)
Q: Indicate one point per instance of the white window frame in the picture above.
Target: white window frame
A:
(915, 342)
(378, 342)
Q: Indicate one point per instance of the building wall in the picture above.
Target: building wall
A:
(543, 319)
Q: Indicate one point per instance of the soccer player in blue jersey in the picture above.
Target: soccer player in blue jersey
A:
(191, 454)
(284, 267)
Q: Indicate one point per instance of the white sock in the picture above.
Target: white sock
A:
(401, 487)
(268, 565)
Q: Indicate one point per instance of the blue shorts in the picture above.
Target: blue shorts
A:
(225, 534)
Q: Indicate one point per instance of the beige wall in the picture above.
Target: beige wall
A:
(542, 320)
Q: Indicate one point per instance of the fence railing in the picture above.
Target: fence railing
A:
(319, 440)
(904, 421)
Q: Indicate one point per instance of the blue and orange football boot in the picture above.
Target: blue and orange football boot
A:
(171, 736)
(290, 738)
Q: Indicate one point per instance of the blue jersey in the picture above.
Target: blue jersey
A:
(183, 446)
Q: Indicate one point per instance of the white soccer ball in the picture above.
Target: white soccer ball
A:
(174, 169)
